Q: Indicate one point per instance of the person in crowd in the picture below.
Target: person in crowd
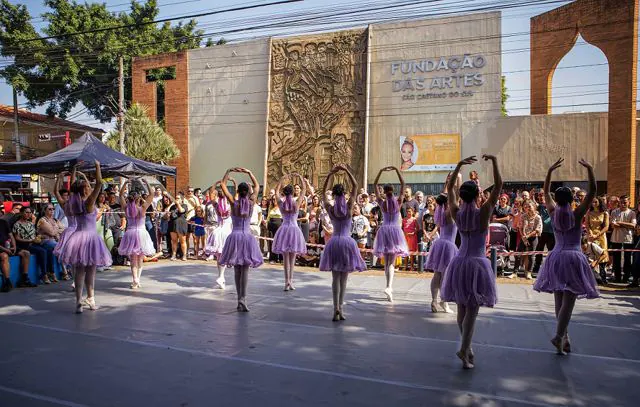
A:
(50, 230)
(326, 226)
(190, 203)
(597, 225)
(314, 213)
(264, 231)
(256, 221)
(136, 242)
(546, 239)
(580, 195)
(340, 255)
(429, 228)
(26, 237)
(178, 228)
(390, 242)
(410, 229)
(62, 196)
(502, 212)
(443, 249)
(408, 201)
(469, 280)
(366, 205)
(211, 222)
(566, 272)
(150, 224)
(595, 255)
(241, 249)
(359, 227)
(289, 240)
(623, 222)
(84, 249)
(636, 255)
(9, 248)
(422, 204)
(199, 232)
(303, 219)
(157, 196)
(118, 227)
(274, 221)
(104, 221)
(164, 208)
(222, 232)
(517, 212)
(531, 228)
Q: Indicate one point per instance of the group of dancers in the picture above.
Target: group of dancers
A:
(461, 275)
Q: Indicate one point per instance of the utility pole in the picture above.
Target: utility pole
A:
(16, 133)
(121, 104)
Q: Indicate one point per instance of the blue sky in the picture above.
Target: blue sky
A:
(576, 89)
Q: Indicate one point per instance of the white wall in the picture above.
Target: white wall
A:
(227, 109)
(391, 116)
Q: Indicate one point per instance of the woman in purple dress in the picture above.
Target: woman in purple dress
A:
(289, 239)
(469, 280)
(85, 249)
(136, 242)
(566, 272)
(241, 248)
(389, 242)
(442, 251)
(340, 255)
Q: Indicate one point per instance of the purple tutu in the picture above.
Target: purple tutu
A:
(64, 237)
(440, 255)
(86, 248)
(289, 237)
(341, 254)
(136, 242)
(241, 247)
(390, 240)
(567, 270)
(469, 281)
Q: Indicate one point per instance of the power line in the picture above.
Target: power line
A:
(162, 20)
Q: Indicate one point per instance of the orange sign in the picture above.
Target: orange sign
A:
(429, 152)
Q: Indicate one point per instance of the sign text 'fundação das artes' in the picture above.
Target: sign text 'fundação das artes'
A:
(456, 73)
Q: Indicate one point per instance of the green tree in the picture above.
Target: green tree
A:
(504, 95)
(145, 139)
(73, 68)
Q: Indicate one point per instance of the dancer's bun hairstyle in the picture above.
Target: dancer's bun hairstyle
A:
(338, 190)
(469, 191)
(243, 189)
(563, 196)
(441, 199)
(288, 190)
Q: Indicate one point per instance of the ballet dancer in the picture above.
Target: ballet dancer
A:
(340, 255)
(136, 242)
(222, 231)
(469, 280)
(390, 241)
(289, 239)
(85, 249)
(71, 220)
(566, 272)
(241, 248)
(442, 251)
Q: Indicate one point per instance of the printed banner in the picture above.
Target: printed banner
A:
(429, 152)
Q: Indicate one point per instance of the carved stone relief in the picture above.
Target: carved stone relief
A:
(317, 106)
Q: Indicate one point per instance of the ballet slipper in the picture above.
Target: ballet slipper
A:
(558, 343)
(389, 293)
(91, 303)
(336, 316)
(78, 307)
(445, 307)
(567, 344)
(342, 317)
(434, 307)
(244, 307)
(466, 362)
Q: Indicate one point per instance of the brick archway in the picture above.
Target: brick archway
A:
(612, 26)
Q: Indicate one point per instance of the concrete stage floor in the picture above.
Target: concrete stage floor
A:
(177, 342)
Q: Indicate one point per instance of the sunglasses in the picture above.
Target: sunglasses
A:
(49, 209)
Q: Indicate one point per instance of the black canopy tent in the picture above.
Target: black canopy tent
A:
(86, 150)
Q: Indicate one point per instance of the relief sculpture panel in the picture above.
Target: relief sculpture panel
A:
(317, 105)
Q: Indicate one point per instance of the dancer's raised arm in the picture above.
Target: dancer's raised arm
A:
(452, 191)
(376, 187)
(591, 192)
(149, 200)
(325, 201)
(487, 208)
(279, 187)
(551, 204)
(57, 187)
(123, 201)
(97, 188)
(354, 186)
(402, 184)
(223, 185)
(302, 199)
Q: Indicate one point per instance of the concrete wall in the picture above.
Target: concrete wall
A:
(227, 109)
(394, 114)
(527, 145)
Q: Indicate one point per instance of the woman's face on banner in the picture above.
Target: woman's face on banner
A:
(406, 152)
